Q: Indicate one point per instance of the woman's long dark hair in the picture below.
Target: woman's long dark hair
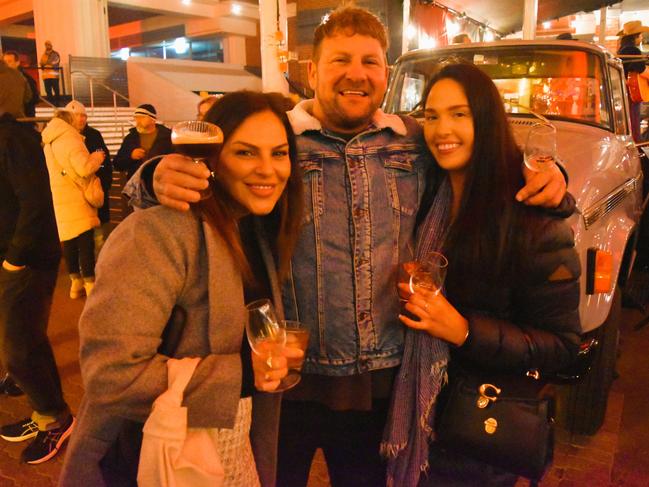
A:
(627, 41)
(282, 225)
(480, 236)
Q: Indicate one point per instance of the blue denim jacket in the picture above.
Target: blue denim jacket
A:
(362, 198)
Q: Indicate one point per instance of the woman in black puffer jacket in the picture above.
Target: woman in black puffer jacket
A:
(512, 291)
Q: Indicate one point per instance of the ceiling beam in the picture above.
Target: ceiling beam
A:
(167, 7)
(12, 11)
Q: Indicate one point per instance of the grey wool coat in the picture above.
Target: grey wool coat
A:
(155, 259)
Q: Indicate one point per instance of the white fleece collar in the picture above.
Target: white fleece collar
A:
(301, 119)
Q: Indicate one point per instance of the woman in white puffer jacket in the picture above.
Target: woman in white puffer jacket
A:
(68, 162)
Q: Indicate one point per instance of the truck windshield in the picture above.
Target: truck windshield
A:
(558, 83)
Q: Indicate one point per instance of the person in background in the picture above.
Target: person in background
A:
(50, 72)
(29, 257)
(13, 90)
(204, 106)
(147, 139)
(511, 297)
(95, 142)
(630, 40)
(13, 61)
(364, 175)
(565, 36)
(462, 38)
(234, 247)
(69, 162)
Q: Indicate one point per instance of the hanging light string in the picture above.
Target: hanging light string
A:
(280, 39)
(461, 16)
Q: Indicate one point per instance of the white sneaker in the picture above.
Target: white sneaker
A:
(76, 288)
(87, 286)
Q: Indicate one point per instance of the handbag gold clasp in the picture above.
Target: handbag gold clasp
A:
(488, 392)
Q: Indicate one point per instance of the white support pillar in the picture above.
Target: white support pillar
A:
(272, 78)
(405, 42)
(234, 50)
(529, 19)
(75, 27)
(602, 26)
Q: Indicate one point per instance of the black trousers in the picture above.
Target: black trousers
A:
(52, 90)
(79, 254)
(350, 441)
(25, 351)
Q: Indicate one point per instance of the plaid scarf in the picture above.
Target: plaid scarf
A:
(409, 428)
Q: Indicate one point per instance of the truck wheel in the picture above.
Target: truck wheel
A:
(581, 407)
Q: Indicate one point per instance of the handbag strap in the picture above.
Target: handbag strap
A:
(179, 373)
(64, 171)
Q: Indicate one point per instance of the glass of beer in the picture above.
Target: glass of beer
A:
(198, 140)
(541, 147)
(267, 337)
(297, 336)
(428, 273)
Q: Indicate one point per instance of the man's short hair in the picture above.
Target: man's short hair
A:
(12, 53)
(350, 21)
(208, 99)
(462, 38)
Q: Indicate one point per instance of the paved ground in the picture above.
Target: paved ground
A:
(617, 456)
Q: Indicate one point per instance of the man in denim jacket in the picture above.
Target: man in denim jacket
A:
(364, 174)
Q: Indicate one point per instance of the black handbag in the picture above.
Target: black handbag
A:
(506, 422)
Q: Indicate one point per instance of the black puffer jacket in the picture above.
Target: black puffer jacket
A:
(531, 321)
(95, 141)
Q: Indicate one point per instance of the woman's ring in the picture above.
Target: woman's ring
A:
(269, 362)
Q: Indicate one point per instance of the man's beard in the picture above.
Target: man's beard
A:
(141, 130)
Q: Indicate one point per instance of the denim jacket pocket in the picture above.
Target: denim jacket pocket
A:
(402, 181)
(313, 187)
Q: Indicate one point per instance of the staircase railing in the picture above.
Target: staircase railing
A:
(91, 82)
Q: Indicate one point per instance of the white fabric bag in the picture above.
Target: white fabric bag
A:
(173, 455)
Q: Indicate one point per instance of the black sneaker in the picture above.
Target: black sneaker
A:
(9, 387)
(20, 431)
(47, 443)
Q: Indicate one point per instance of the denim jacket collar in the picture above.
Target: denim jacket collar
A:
(302, 120)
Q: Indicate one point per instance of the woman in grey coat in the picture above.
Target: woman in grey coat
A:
(209, 261)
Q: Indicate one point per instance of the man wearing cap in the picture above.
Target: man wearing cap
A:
(50, 65)
(630, 40)
(144, 141)
(95, 142)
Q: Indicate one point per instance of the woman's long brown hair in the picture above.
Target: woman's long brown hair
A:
(282, 225)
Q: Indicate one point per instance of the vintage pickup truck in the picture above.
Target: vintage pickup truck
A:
(580, 88)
